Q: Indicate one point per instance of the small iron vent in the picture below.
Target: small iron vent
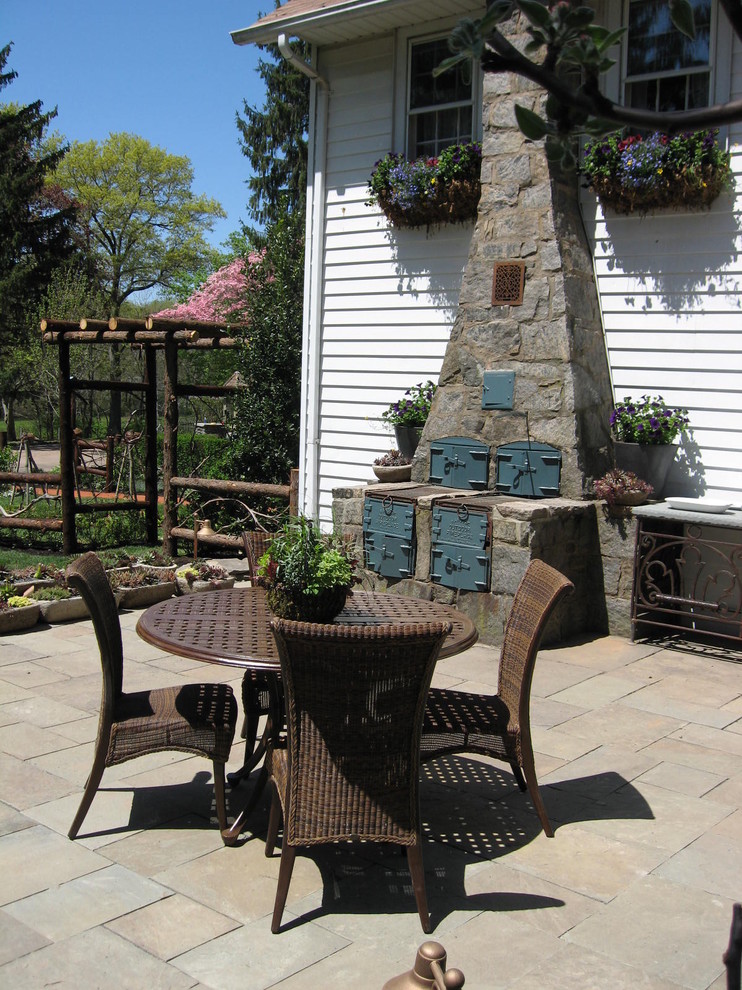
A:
(507, 283)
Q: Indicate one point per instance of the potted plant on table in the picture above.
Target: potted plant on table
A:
(307, 574)
(645, 431)
(408, 416)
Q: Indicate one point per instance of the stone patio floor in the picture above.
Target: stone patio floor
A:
(639, 753)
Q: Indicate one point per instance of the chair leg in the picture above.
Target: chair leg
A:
(288, 855)
(219, 796)
(417, 872)
(520, 780)
(273, 823)
(91, 786)
(529, 771)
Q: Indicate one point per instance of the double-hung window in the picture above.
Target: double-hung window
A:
(440, 109)
(664, 70)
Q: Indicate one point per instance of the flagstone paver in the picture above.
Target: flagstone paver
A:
(639, 752)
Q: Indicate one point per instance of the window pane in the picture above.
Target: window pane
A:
(449, 87)
(698, 91)
(672, 93)
(655, 45)
(642, 95)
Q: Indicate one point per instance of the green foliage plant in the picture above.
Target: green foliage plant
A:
(413, 408)
(647, 420)
(304, 568)
(428, 190)
(274, 139)
(56, 593)
(264, 434)
(629, 172)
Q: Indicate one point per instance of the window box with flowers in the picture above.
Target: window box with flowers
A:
(634, 174)
(428, 191)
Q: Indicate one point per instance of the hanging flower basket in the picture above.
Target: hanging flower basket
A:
(428, 191)
(632, 174)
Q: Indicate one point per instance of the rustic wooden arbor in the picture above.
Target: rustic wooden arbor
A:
(151, 334)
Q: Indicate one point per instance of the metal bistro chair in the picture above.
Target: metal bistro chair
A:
(499, 725)
(355, 697)
(189, 718)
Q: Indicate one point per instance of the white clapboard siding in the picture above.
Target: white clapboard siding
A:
(670, 289)
(389, 298)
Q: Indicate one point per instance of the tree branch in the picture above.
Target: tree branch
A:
(501, 56)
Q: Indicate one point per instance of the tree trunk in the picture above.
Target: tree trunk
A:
(114, 414)
(10, 419)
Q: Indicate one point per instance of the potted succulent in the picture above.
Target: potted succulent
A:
(392, 466)
(16, 612)
(307, 574)
(140, 585)
(645, 431)
(408, 416)
(57, 603)
(201, 577)
(621, 490)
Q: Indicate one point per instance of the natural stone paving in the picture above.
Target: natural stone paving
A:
(639, 752)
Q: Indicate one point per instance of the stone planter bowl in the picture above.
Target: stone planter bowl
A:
(15, 619)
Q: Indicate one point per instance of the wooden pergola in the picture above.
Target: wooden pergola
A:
(151, 334)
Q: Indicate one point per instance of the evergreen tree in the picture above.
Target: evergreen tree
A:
(35, 219)
(265, 437)
(274, 139)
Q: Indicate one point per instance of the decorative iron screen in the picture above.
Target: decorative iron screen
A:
(507, 283)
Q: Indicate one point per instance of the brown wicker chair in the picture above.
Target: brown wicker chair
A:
(256, 692)
(499, 725)
(355, 698)
(190, 718)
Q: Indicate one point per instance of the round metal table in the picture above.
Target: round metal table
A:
(232, 626)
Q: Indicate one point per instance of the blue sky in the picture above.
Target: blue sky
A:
(164, 69)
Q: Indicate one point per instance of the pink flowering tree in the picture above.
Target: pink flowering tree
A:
(223, 297)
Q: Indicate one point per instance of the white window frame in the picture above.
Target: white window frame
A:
(405, 39)
(720, 54)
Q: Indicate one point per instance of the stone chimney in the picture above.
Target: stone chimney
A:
(553, 341)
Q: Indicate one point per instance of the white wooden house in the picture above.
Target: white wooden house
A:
(380, 304)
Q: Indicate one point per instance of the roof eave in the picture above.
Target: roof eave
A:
(262, 33)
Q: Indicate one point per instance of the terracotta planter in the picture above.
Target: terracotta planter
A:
(14, 619)
(392, 472)
(649, 461)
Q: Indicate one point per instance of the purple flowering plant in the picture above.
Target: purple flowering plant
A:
(413, 408)
(629, 172)
(647, 421)
(428, 190)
